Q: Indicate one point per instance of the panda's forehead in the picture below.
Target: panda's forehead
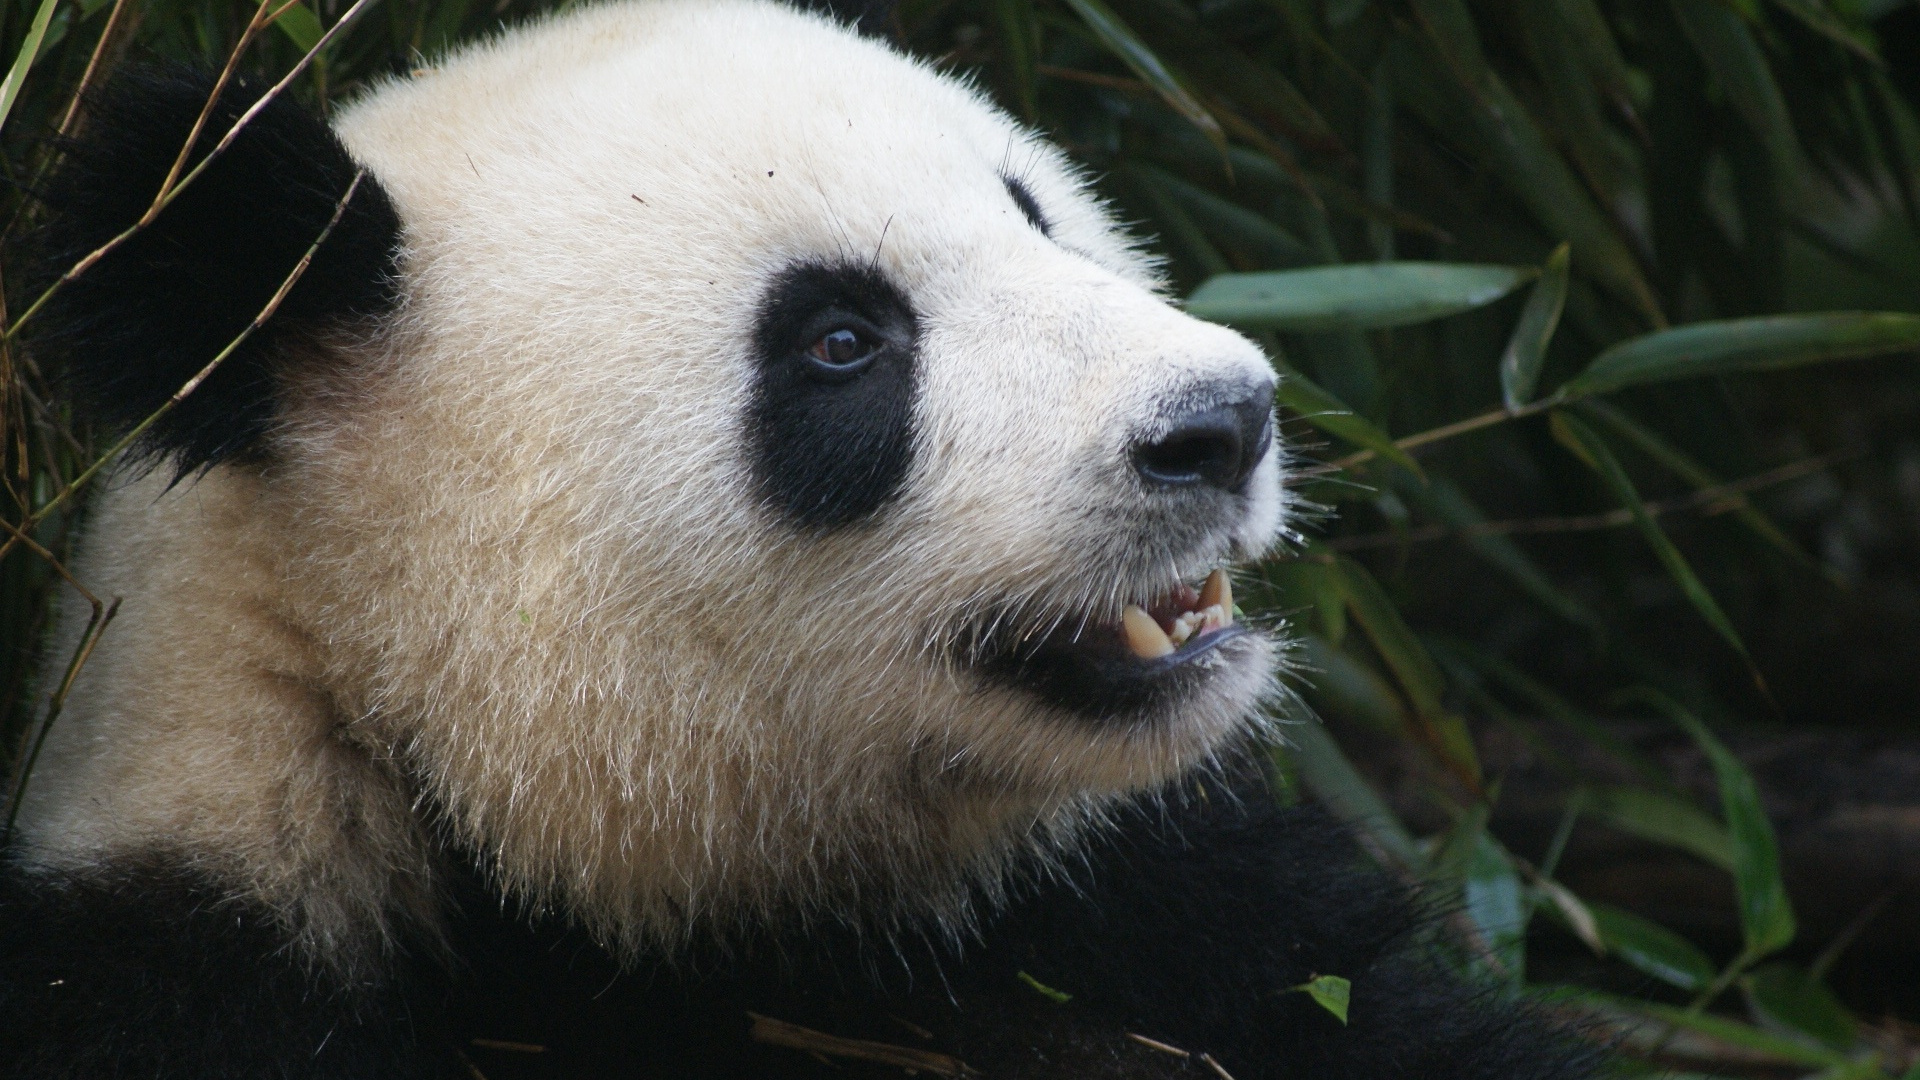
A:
(715, 126)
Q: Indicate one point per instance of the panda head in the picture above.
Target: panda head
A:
(716, 460)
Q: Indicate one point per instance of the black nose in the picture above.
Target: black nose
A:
(1218, 445)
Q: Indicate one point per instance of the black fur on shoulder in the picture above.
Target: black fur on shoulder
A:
(1193, 928)
(127, 334)
(150, 969)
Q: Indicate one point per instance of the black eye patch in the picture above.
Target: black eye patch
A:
(831, 421)
(1028, 205)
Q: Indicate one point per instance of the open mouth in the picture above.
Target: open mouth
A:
(1157, 654)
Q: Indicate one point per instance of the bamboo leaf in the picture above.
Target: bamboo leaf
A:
(1328, 413)
(1672, 459)
(1118, 37)
(1786, 996)
(1725, 42)
(1652, 949)
(1363, 296)
(1764, 343)
(1453, 80)
(298, 22)
(1527, 349)
(1330, 992)
(1822, 20)
(1018, 33)
(23, 60)
(1766, 916)
(1444, 733)
(1336, 783)
(1443, 499)
(1745, 1036)
(1664, 819)
(1585, 444)
(1231, 224)
(1496, 903)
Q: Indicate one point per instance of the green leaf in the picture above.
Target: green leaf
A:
(1330, 992)
(1328, 413)
(1766, 915)
(1444, 733)
(1652, 949)
(1231, 225)
(1058, 997)
(1496, 903)
(1338, 785)
(1786, 996)
(298, 22)
(1764, 343)
(1527, 349)
(1018, 34)
(1672, 459)
(24, 59)
(1363, 296)
(1731, 1032)
(1117, 36)
(1443, 499)
(1664, 819)
(1585, 444)
(1455, 89)
(1725, 43)
(1821, 19)
(1349, 688)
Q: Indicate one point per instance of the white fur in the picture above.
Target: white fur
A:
(509, 556)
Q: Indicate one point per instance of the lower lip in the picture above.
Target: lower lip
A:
(1108, 683)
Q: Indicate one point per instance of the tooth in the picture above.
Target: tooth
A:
(1144, 635)
(1215, 618)
(1218, 592)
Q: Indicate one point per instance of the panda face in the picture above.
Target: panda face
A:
(771, 487)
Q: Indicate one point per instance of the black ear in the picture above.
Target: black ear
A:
(129, 332)
(873, 18)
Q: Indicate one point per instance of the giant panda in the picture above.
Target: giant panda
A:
(718, 567)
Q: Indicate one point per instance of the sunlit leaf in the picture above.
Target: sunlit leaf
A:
(1766, 916)
(1117, 36)
(1577, 437)
(23, 61)
(1786, 996)
(1331, 415)
(1652, 949)
(1527, 349)
(1363, 296)
(1330, 992)
(1664, 819)
(1757, 344)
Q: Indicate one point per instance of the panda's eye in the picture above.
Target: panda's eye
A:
(841, 353)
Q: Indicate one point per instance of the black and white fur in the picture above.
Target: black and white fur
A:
(663, 565)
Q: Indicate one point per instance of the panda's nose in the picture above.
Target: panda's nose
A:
(1217, 445)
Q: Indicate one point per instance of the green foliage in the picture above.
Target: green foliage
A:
(1526, 266)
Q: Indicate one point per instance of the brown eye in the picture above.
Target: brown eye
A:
(841, 352)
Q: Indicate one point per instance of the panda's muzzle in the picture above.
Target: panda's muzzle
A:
(1154, 656)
